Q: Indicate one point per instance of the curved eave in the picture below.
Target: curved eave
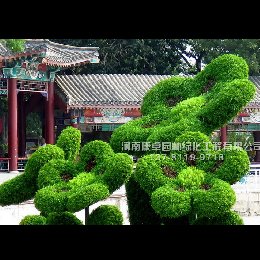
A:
(63, 64)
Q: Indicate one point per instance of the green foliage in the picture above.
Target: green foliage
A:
(139, 206)
(86, 195)
(56, 171)
(69, 140)
(182, 184)
(17, 190)
(33, 220)
(92, 156)
(166, 94)
(15, 45)
(3, 105)
(171, 203)
(33, 125)
(213, 199)
(115, 174)
(191, 178)
(105, 215)
(233, 167)
(231, 98)
(134, 56)
(228, 218)
(153, 171)
(52, 198)
(40, 157)
(64, 218)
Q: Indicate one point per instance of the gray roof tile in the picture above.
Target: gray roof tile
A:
(106, 89)
(117, 89)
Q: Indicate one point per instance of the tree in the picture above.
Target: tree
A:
(133, 56)
(164, 56)
(15, 45)
(202, 51)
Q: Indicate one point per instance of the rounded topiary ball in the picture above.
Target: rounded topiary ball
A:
(33, 220)
(63, 218)
(228, 218)
(105, 215)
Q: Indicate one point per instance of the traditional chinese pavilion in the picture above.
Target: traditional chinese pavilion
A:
(33, 71)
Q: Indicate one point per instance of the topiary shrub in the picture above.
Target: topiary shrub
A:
(92, 156)
(64, 218)
(56, 171)
(105, 215)
(214, 198)
(69, 141)
(201, 175)
(227, 218)
(54, 177)
(24, 187)
(33, 220)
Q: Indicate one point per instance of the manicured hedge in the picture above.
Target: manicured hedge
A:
(233, 167)
(139, 206)
(105, 215)
(213, 199)
(228, 218)
(190, 178)
(194, 107)
(52, 198)
(69, 141)
(92, 156)
(56, 171)
(63, 218)
(33, 220)
(86, 195)
(153, 171)
(40, 157)
(168, 202)
(167, 93)
(117, 171)
(17, 190)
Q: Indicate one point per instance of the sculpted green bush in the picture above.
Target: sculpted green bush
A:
(33, 220)
(105, 215)
(69, 141)
(192, 177)
(63, 180)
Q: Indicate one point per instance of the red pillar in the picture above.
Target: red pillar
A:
(49, 115)
(223, 135)
(22, 125)
(12, 124)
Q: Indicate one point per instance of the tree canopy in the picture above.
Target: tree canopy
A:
(164, 56)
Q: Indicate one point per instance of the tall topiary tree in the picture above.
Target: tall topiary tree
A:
(190, 182)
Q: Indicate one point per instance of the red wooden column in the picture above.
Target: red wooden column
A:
(22, 125)
(12, 124)
(49, 114)
(223, 135)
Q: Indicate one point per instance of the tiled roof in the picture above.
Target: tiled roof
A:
(54, 54)
(115, 89)
(106, 89)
